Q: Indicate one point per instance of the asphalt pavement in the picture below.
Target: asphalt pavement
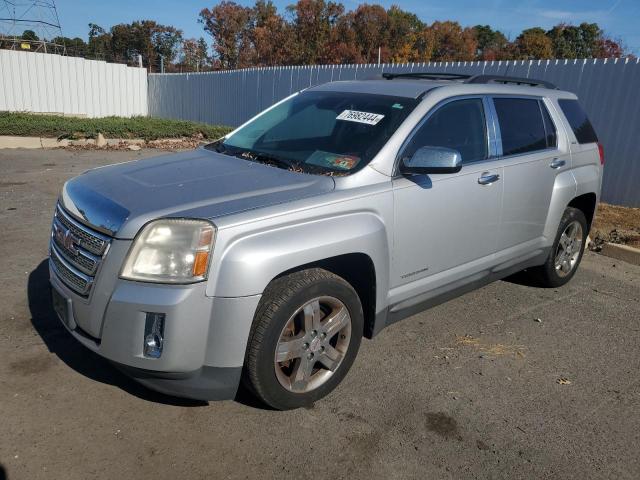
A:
(508, 381)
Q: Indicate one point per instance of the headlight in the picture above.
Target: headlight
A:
(170, 251)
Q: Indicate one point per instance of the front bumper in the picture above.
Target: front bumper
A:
(204, 337)
(206, 383)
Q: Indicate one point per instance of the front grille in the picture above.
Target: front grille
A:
(71, 251)
(76, 251)
(73, 279)
(88, 239)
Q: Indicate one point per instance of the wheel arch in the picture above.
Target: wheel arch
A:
(354, 246)
(586, 203)
(359, 271)
(564, 190)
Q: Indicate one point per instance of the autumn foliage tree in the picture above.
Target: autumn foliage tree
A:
(270, 36)
(229, 25)
(405, 28)
(533, 43)
(325, 32)
(195, 55)
(371, 26)
(491, 44)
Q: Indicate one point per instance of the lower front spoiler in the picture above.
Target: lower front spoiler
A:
(206, 383)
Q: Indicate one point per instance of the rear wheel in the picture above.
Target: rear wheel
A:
(566, 252)
(304, 338)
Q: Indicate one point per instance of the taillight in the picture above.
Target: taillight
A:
(601, 152)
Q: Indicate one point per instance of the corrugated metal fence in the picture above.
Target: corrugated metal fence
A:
(46, 83)
(608, 90)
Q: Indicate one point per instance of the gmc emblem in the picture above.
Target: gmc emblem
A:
(65, 238)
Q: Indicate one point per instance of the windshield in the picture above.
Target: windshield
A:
(320, 132)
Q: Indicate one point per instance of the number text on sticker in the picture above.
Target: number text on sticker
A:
(360, 117)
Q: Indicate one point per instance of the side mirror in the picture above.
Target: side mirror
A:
(432, 160)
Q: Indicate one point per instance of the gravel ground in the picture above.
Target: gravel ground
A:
(506, 382)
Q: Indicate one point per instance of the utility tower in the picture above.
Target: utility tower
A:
(39, 16)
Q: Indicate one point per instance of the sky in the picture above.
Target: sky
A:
(617, 17)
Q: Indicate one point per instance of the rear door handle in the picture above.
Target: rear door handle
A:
(557, 163)
(488, 178)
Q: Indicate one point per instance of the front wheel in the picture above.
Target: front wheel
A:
(304, 338)
(566, 252)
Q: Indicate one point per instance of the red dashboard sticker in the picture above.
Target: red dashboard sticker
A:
(333, 160)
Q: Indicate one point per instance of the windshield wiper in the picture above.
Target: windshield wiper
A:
(254, 156)
(265, 158)
(217, 146)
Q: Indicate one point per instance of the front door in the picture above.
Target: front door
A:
(446, 224)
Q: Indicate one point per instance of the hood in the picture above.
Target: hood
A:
(119, 199)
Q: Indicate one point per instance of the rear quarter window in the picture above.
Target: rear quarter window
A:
(577, 118)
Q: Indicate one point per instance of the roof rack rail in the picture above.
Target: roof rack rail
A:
(427, 75)
(516, 80)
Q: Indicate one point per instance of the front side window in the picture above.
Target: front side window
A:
(522, 126)
(459, 125)
(320, 132)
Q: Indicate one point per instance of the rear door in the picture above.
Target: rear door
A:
(528, 146)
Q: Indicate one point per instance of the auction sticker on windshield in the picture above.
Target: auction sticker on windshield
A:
(360, 117)
(333, 160)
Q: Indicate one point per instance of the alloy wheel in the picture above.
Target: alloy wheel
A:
(312, 344)
(569, 248)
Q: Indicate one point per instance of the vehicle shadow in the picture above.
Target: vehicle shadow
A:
(523, 278)
(76, 356)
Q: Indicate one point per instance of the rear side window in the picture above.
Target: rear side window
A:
(579, 121)
(522, 125)
(459, 125)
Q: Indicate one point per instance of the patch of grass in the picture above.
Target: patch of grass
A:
(32, 125)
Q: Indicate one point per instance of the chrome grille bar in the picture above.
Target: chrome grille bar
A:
(73, 278)
(90, 240)
(76, 251)
(83, 260)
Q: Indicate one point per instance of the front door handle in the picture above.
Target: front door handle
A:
(557, 163)
(488, 178)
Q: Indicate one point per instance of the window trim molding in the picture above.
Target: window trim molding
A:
(543, 109)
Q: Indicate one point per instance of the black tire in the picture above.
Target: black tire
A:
(280, 301)
(547, 275)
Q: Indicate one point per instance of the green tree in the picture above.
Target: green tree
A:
(533, 43)
(99, 45)
(492, 44)
(575, 42)
(125, 41)
(29, 35)
(74, 46)
(404, 30)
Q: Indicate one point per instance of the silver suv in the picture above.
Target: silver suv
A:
(265, 257)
